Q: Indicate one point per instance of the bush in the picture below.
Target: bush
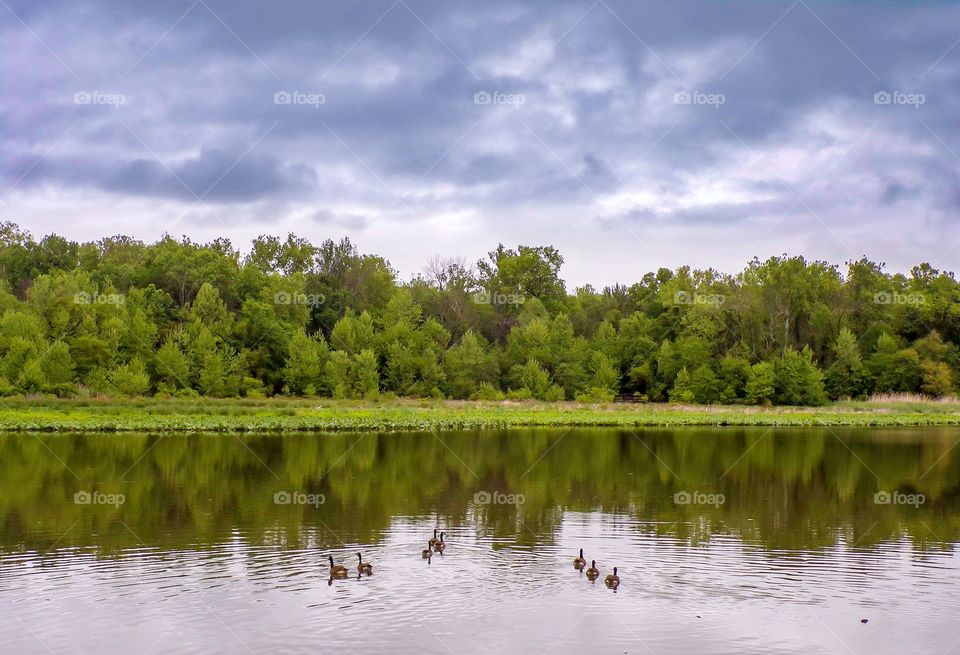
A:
(252, 388)
(62, 389)
(487, 391)
(519, 394)
(595, 395)
(554, 394)
(187, 393)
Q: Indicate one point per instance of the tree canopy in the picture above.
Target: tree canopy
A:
(123, 317)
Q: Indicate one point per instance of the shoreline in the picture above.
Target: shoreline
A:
(325, 415)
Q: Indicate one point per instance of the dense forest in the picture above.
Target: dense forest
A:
(122, 317)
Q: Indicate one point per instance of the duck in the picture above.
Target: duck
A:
(441, 544)
(363, 568)
(593, 572)
(426, 554)
(433, 542)
(337, 571)
(579, 562)
(612, 581)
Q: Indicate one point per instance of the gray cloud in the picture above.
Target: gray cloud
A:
(600, 136)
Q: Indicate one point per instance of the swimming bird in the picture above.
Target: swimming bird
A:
(440, 545)
(426, 554)
(612, 581)
(337, 571)
(593, 572)
(433, 542)
(363, 568)
(579, 562)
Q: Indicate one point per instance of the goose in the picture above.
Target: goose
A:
(612, 581)
(441, 544)
(426, 554)
(579, 562)
(363, 568)
(433, 542)
(593, 572)
(337, 571)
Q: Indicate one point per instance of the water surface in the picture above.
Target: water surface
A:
(727, 540)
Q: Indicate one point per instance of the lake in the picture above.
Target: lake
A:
(726, 540)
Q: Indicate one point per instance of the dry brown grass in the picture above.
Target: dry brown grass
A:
(883, 398)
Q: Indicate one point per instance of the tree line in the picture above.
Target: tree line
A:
(122, 317)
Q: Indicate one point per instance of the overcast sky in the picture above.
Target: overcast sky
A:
(630, 135)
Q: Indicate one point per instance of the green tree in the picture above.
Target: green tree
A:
(366, 375)
(56, 364)
(130, 379)
(682, 391)
(303, 373)
(892, 369)
(798, 379)
(532, 377)
(761, 384)
(705, 385)
(845, 377)
(469, 364)
(171, 367)
(936, 378)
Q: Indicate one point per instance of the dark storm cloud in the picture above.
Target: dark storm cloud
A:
(215, 175)
(658, 113)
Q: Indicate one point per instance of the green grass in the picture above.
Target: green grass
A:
(291, 414)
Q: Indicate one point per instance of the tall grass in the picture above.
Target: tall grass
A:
(890, 398)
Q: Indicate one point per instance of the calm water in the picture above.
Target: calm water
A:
(726, 540)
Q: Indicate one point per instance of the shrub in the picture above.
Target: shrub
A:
(487, 391)
(595, 395)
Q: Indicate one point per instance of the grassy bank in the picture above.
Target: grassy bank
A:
(211, 415)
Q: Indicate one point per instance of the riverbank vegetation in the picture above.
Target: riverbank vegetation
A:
(300, 415)
(122, 318)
